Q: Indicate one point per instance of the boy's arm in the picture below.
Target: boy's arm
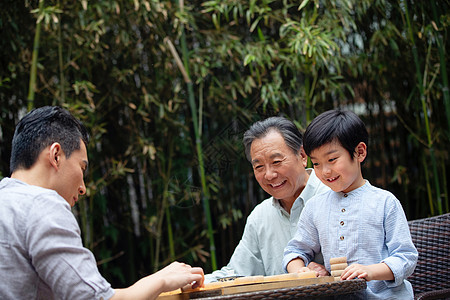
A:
(371, 272)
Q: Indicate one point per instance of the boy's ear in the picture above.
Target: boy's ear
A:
(361, 151)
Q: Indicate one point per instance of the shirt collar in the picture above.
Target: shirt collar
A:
(308, 191)
(357, 191)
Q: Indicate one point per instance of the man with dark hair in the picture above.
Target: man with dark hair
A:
(274, 147)
(41, 252)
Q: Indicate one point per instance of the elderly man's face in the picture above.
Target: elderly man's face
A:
(277, 169)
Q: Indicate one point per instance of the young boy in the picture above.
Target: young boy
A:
(355, 219)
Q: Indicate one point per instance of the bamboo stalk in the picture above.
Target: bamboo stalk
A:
(198, 143)
(443, 66)
(444, 177)
(168, 216)
(428, 185)
(32, 83)
(60, 60)
(164, 211)
(424, 109)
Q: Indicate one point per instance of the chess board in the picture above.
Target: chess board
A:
(247, 284)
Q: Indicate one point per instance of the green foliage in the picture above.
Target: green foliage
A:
(110, 64)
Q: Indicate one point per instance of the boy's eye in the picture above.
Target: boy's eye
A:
(332, 159)
(315, 164)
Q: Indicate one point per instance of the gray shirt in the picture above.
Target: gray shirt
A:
(268, 230)
(41, 252)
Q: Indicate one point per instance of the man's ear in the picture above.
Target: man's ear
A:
(303, 156)
(361, 152)
(55, 155)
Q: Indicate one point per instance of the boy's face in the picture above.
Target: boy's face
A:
(336, 169)
(277, 169)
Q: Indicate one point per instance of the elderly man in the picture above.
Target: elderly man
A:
(274, 147)
(41, 253)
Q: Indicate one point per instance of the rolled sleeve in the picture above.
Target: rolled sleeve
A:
(403, 254)
(246, 259)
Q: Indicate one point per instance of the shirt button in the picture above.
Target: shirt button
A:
(345, 195)
(342, 223)
(342, 237)
(343, 210)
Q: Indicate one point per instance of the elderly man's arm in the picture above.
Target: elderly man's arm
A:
(246, 259)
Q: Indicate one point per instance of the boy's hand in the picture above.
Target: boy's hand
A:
(356, 271)
(371, 272)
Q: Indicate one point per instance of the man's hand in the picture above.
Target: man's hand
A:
(178, 275)
(174, 276)
(321, 271)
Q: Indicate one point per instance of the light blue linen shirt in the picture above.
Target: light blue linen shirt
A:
(41, 252)
(267, 231)
(368, 226)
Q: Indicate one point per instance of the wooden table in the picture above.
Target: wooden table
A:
(311, 288)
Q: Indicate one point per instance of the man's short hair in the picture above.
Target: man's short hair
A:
(337, 125)
(290, 133)
(42, 127)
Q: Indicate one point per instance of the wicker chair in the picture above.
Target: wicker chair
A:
(431, 278)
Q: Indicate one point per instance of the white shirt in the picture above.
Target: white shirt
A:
(268, 230)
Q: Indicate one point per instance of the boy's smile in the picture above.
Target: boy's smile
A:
(332, 179)
(335, 167)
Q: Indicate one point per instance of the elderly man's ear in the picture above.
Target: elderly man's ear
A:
(304, 157)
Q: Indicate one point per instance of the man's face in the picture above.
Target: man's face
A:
(70, 182)
(277, 169)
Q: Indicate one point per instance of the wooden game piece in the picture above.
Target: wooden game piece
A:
(338, 260)
(341, 266)
(336, 273)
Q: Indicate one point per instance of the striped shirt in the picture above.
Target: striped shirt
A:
(368, 226)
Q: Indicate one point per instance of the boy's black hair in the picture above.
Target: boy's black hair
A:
(290, 133)
(42, 127)
(344, 127)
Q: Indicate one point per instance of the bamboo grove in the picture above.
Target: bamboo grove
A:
(167, 89)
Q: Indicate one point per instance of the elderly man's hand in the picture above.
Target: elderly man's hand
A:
(321, 271)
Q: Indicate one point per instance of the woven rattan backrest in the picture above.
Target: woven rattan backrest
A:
(431, 236)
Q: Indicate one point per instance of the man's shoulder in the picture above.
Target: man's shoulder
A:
(262, 209)
(25, 197)
(15, 186)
